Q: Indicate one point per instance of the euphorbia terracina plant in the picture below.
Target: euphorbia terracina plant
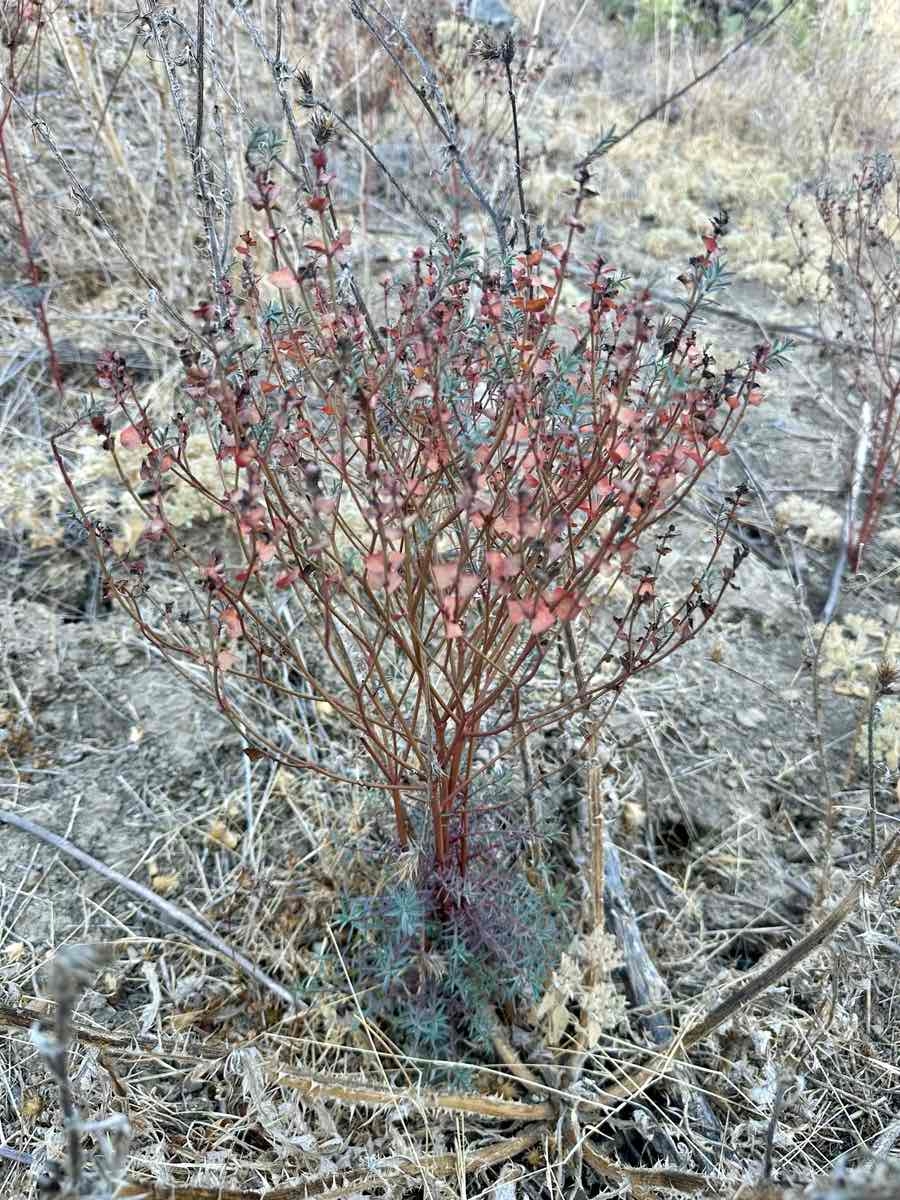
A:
(422, 493)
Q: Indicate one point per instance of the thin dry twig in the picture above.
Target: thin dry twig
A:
(431, 98)
(42, 130)
(860, 459)
(662, 1064)
(792, 957)
(597, 831)
(128, 1045)
(803, 332)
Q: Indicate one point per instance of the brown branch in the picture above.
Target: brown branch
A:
(659, 1177)
(640, 1079)
(507, 1053)
(794, 331)
(792, 957)
(131, 1045)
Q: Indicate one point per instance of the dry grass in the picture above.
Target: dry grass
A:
(720, 831)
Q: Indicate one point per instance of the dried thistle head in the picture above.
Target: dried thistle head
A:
(486, 48)
(73, 968)
(304, 78)
(490, 51)
(322, 129)
(885, 677)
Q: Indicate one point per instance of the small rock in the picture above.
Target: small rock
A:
(751, 718)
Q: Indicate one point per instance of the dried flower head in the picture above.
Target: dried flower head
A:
(322, 129)
(885, 677)
(304, 79)
(489, 51)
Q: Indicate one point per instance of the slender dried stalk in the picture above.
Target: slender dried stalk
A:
(16, 38)
(638, 1177)
(596, 831)
(662, 1064)
(792, 957)
(848, 530)
(71, 970)
(320, 1087)
(42, 130)
(432, 101)
(123, 1044)
(606, 143)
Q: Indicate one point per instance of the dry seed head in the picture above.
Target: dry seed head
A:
(486, 48)
(322, 129)
(306, 85)
(489, 51)
(885, 677)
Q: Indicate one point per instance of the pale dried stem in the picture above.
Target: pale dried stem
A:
(860, 459)
(320, 1088)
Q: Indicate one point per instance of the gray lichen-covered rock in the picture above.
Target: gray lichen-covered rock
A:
(490, 12)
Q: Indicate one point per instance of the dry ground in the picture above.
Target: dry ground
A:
(716, 774)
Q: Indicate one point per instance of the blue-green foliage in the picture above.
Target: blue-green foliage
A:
(429, 956)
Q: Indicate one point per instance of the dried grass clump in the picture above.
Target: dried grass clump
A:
(35, 504)
(855, 653)
(821, 525)
(852, 648)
